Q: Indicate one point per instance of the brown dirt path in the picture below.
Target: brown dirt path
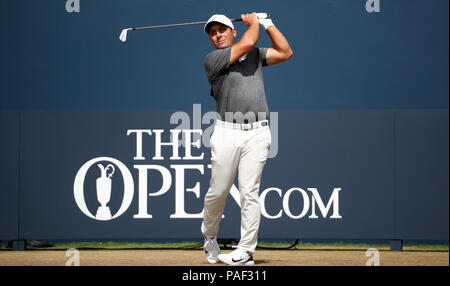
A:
(196, 258)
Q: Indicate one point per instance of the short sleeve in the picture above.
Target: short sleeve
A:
(262, 56)
(216, 61)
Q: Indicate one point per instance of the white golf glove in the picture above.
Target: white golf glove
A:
(264, 21)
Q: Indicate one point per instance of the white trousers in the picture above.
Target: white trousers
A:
(236, 151)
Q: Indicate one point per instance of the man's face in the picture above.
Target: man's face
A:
(221, 36)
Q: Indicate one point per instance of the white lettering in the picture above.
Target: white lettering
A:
(262, 199)
(286, 203)
(187, 146)
(143, 190)
(173, 144)
(179, 191)
(139, 141)
(334, 200)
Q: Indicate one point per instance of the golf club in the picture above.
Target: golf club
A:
(123, 34)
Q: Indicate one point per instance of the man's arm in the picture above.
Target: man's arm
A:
(281, 50)
(248, 40)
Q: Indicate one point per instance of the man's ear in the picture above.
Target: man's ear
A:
(234, 32)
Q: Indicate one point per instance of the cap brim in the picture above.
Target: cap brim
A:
(207, 26)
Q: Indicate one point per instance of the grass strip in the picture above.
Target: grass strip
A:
(261, 245)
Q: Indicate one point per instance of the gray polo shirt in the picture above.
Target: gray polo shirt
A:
(238, 88)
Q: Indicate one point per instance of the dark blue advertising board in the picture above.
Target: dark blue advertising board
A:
(359, 120)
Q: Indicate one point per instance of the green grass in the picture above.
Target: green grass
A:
(261, 245)
(124, 245)
(352, 246)
(426, 247)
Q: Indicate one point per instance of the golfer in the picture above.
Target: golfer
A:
(241, 137)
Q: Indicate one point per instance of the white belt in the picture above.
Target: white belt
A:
(245, 127)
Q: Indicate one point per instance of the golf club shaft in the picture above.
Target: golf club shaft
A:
(176, 25)
(123, 34)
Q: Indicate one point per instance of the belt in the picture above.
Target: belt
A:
(244, 127)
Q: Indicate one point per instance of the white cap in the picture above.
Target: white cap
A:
(218, 19)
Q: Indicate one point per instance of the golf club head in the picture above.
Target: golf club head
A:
(123, 35)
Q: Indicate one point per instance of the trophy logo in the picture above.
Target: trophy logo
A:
(104, 192)
(103, 187)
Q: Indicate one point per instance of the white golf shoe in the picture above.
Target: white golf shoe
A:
(212, 249)
(237, 257)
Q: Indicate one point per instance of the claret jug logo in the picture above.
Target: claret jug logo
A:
(103, 184)
(103, 187)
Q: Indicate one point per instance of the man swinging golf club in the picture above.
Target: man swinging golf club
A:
(241, 137)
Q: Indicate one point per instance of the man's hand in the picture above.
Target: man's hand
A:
(249, 19)
(264, 21)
